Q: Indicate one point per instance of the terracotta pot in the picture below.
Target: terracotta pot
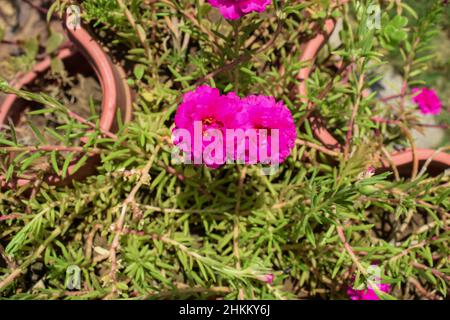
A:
(438, 161)
(403, 161)
(309, 53)
(116, 94)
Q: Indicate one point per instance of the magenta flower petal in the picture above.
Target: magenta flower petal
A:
(428, 100)
(207, 106)
(256, 129)
(235, 9)
(368, 293)
(266, 113)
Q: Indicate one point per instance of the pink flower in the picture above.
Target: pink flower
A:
(367, 293)
(234, 9)
(211, 128)
(428, 100)
(206, 106)
(268, 278)
(266, 113)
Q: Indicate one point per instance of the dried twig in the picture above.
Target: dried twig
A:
(119, 225)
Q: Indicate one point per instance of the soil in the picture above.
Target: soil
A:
(80, 93)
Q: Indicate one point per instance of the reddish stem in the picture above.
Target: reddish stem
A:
(9, 217)
(392, 121)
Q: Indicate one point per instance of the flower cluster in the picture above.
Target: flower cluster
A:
(234, 9)
(428, 100)
(213, 128)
